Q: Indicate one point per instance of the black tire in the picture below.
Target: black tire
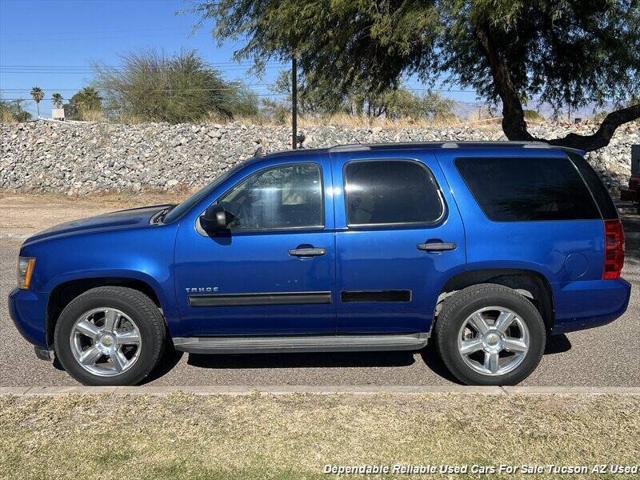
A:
(458, 307)
(133, 303)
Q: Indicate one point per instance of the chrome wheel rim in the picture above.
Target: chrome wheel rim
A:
(493, 341)
(105, 342)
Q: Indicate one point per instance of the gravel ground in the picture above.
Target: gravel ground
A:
(605, 356)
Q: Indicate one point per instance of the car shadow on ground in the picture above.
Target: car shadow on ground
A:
(168, 361)
(555, 344)
(303, 360)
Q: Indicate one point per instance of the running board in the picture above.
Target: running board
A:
(306, 343)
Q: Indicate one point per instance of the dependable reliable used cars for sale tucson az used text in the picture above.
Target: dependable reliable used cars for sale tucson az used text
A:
(484, 249)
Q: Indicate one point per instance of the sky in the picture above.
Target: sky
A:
(53, 44)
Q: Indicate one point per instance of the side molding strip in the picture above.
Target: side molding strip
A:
(250, 299)
(361, 296)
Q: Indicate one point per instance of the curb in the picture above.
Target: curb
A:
(319, 390)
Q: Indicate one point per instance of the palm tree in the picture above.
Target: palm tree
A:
(57, 100)
(37, 94)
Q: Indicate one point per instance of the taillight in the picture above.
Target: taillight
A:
(613, 249)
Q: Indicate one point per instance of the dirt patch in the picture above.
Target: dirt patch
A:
(22, 215)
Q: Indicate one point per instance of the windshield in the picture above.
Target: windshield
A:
(188, 204)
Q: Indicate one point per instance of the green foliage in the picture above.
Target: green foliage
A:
(182, 88)
(391, 103)
(242, 102)
(37, 94)
(57, 100)
(83, 104)
(11, 112)
(402, 103)
(533, 115)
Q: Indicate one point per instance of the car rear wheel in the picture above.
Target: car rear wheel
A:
(490, 335)
(109, 336)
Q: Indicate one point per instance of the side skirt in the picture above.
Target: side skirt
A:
(311, 343)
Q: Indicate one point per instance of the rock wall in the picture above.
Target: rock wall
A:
(80, 158)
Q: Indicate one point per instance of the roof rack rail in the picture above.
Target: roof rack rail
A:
(363, 147)
(352, 147)
(497, 143)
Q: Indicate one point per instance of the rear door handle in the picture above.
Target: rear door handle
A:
(307, 252)
(436, 246)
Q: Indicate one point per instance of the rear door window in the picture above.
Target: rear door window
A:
(528, 189)
(391, 192)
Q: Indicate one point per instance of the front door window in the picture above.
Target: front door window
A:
(286, 197)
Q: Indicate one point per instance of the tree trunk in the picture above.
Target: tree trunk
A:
(513, 123)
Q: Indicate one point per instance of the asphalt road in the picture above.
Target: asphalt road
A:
(605, 356)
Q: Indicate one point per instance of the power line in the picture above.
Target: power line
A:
(439, 90)
(25, 99)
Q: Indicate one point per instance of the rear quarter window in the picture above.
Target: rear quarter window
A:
(528, 189)
(599, 191)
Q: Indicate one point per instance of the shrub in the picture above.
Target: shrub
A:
(153, 87)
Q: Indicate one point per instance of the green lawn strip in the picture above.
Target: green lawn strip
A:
(295, 436)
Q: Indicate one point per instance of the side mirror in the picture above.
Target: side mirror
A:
(215, 219)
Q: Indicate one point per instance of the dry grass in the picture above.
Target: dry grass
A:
(92, 116)
(294, 436)
(7, 117)
(342, 120)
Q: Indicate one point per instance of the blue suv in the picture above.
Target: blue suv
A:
(484, 249)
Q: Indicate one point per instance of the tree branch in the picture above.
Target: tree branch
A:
(602, 136)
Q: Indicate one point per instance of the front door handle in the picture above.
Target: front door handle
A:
(307, 251)
(436, 246)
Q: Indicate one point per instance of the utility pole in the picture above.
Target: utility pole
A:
(294, 102)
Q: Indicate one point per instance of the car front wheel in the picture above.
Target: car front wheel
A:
(109, 336)
(490, 335)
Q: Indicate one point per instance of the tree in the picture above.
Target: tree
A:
(57, 100)
(567, 53)
(83, 103)
(182, 88)
(37, 94)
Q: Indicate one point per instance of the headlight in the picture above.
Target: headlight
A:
(25, 270)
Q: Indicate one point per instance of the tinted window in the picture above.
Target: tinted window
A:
(283, 197)
(391, 191)
(517, 189)
(599, 191)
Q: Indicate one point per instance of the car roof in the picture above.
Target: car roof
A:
(377, 147)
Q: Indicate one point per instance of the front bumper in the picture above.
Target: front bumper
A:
(28, 310)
